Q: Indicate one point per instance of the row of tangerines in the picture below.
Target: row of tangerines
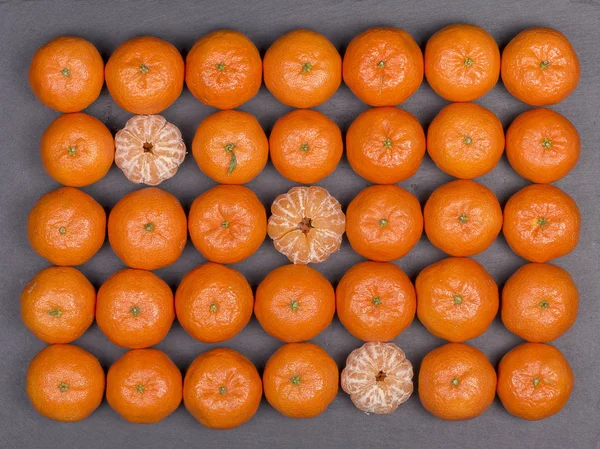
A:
(382, 66)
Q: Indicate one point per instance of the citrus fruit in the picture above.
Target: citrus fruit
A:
(149, 149)
(230, 147)
(385, 145)
(65, 383)
(147, 229)
(58, 304)
(144, 386)
(306, 224)
(222, 389)
(534, 381)
(227, 224)
(383, 66)
(456, 382)
(465, 140)
(294, 303)
(462, 218)
(135, 308)
(67, 74)
(213, 302)
(383, 223)
(77, 149)
(223, 69)
(542, 145)
(541, 223)
(462, 62)
(144, 75)
(378, 377)
(540, 66)
(375, 301)
(66, 226)
(457, 299)
(300, 380)
(305, 146)
(539, 302)
(302, 69)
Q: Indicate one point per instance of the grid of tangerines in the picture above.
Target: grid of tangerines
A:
(385, 145)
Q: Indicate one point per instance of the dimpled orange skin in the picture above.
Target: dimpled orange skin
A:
(227, 224)
(65, 383)
(77, 149)
(144, 386)
(539, 302)
(542, 145)
(385, 145)
(465, 140)
(540, 66)
(58, 304)
(305, 146)
(67, 74)
(230, 147)
(462, 218)
(213, 302)
(456, 382)
(462, 62)
(222, 389)
(145, 75)
(457, 299)
(541, 223)
(147, 229)
(223, 69)
(300, 380)
(66, 226)
(384, 223)
(135, 308)
(294, 303)
(302, 69)
(535, 381)
(375, 301)
(383, 66)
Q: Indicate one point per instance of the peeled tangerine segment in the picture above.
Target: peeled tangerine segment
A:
(378, 377)
(306, 224)
(149, 149)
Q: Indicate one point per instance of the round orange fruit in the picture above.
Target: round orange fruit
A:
(540, 66)
(67, 74)
(465, 140)
(457, 299)
(462, 218)
(230, 147)
(462, 62)
(305, 146)
(375, 301)
(383, 66)
(135, 308)
(302, 69)
(300, 380)
(213, 302)
(144, 75)
(384, 223)
(147, 229)
(294, 303)
(541, 223)
(58, 304)
(66, 226)
(385, 145)
(222, 389)
(223, 69)
(542, 145)
(144, 386)
(227, 224)
(539, 302)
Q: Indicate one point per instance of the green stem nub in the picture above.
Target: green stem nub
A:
(468, 62)
(71, 150)
(381, 64)
(221, 67)
(63, 386)
(468, 140)
(383, 222)
(463, 218)
(135, 311)
(547, 143)
(225, 224)
(62, 230)
(544, 304)
(149, 227)
(55, 312)
(144, 68)
(544, 65)
(294, 305)
(536, 381)
(376, 301)
(457, 299)
(304, 147)
(306, 67)
(139, 388)
(455, 381)
(542, 221)
(295, 379)
(222, 390)
(213, 308)
(387, 143)
(66, 71)
(232, 159)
